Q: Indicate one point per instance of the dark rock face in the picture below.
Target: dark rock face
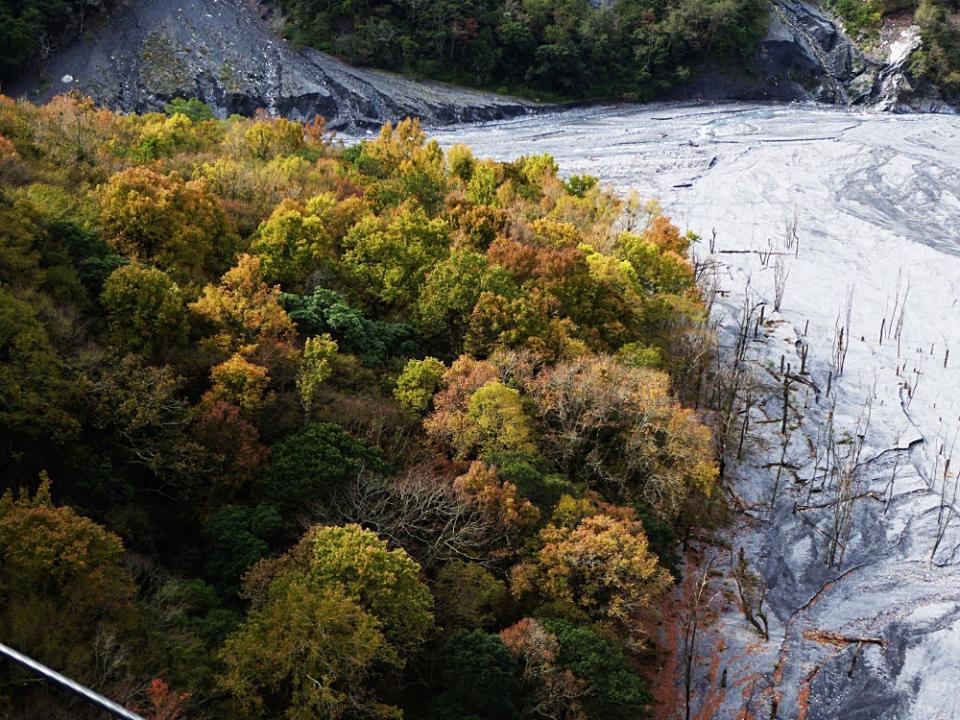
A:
(805, 47)
(806, 56)
(223, 52)
(807, 53)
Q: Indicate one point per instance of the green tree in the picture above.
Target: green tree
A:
(938, 59)
(35, 395)
(461, 162)
(452, 290)
(330, 615)
(326, 312)
(317, 365)
(310, 465)
(417, 383)
(615, 690)
(498, 422)
(195, 109)
(384, 582)
(480, 680)
(149, 424)
(145, 310)
(387, 261)
(237, 537)
(482, 188)
(309, 651)
(291, 244)
(29, 26)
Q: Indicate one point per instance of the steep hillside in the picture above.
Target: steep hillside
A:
(807, 46)
(150, 51)
(463, 376)
(146, 52)
(569, 49)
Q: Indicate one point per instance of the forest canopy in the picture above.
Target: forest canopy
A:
(570, 48)
(294, 428)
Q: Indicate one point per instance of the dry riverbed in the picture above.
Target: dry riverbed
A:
(846, 501)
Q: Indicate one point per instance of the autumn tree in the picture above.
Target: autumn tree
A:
(240, 383)
(468, 596)
(497, 500)
(309, 651)
(162, 219)
(556, 692)
(600, 564)
(146, 311)
(61, 583)
(395, 146)
(658, 268)
(498, 422)
(74, 132)
(471, 422)
(266, 137)
(621, 429)
(464, 377)
(613, 688)
(232, 441)
(247, 315)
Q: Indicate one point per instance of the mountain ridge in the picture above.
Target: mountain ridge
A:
(225, 53)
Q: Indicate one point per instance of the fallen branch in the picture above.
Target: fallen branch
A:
(822, 636)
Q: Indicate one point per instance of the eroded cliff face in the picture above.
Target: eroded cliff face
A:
(223, 52)
(807, 52)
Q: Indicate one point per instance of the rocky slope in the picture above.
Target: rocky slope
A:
(224, 52)
(807, 52)
(806, 55)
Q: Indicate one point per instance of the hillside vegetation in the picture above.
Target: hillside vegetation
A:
(30, 29)
(293, 429)
(569, 49)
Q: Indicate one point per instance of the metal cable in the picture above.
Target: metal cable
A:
(86, 693)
